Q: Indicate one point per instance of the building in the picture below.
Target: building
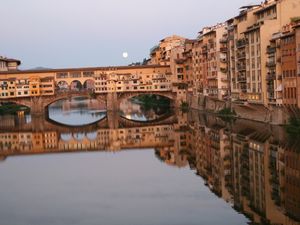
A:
(7, 64)
(209, 60)
(161, 53)
(250, 49)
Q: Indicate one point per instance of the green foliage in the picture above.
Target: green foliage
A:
(293, 126)
(227, 115)
(10, 108)
(184, 106)
(92, 95)
(227, 112)
(293, 131)
(152, 100)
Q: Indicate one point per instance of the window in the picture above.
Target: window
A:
(61, 75)
(88, 74)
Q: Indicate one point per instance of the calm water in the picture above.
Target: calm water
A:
(177, 168)
(76, 111)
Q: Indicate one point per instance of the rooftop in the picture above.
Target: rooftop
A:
(10, 60)
(111, 68)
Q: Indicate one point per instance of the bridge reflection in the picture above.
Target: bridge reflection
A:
(247, 164)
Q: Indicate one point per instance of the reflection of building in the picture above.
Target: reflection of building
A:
(243, 162)
(292, 183)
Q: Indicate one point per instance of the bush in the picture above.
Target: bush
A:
(227, 112)
(12, 108)
(184, 106)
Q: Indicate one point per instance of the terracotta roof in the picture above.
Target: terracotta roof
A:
(264, 8)
(10, 60)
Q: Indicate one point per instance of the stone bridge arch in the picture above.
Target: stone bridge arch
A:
(114, 99)
(128, 95)
(39, 104)
(169, 118)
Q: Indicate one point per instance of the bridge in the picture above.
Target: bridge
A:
(41, 136)
(37, 89)
(112, 120)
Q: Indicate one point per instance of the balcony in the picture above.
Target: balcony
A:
(270, 77)
(241, 67)
(223, 40)
(243, 88)
(223, 49)
(270, 89)
(271, 64)
(241, 43)
(271, 50)
(242, 78)
(241, 55)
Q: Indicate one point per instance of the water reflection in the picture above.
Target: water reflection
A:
(139, 112)
(247, 164)
(76, 111)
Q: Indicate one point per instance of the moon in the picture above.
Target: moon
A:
(125, 55)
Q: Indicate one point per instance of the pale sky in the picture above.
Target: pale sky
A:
(81, 33)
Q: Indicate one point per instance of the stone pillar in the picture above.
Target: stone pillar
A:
(37, 106)
(113, 119)
(112, 103)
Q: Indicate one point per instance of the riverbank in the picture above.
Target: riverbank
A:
(275, 115)
(152, 101)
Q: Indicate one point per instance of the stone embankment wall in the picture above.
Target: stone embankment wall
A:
(273, 114)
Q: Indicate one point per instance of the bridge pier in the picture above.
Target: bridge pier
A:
(113, 119)
(112, 102)
(36, 105)
(37, 109)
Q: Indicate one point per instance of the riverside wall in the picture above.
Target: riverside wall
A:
(276, 115)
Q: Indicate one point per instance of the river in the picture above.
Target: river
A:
(79, 164)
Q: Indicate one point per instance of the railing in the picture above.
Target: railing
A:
(223, 49)
(271, 50)
(271, 64)
(241, 43)
(241, 55)
(270, 77)
(241, 67)
(242, 78)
